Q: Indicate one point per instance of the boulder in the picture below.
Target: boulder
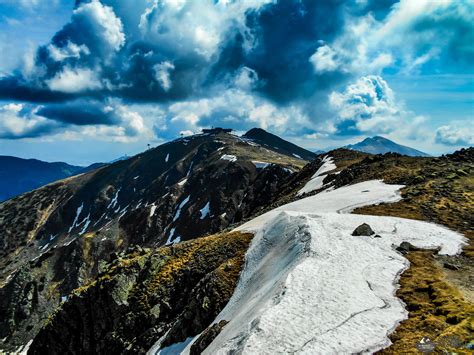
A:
(363, 230)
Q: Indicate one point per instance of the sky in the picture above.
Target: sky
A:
(91, 80)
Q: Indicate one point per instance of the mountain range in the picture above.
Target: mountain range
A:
(19, 175)
(187, 247)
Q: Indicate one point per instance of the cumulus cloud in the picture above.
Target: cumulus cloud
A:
(272, 64)
(101, 22)
(369, 106)
(21, 121)
(112, 121)
(456, 134)
(409, 38)
(162, 74)
(75, 80)
(70, 50)
(325, 59)
(234, 108)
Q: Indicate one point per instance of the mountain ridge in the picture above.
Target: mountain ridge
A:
(382, 145)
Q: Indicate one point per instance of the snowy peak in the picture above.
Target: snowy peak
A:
(381, 145)
(278, 144)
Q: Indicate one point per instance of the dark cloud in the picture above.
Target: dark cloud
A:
(80, 113)
(255, 62)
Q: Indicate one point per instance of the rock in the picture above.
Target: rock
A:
(377, 236)
(207, 337)
(405, 247)
(363, 230)
(451, 266)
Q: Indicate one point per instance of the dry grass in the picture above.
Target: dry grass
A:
(437, 310)
(442, 192)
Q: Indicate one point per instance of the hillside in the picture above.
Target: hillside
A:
(21, 175)
(381, 145)
(330, 301)
(58, 237)
(230, 223)
(274, 142)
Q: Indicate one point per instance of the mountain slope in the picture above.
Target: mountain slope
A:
(381, 145)
(21, 175)
(274, 142)
(63, 233)
(129, 289)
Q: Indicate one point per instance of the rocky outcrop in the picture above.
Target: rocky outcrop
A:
(171, 294)
(65, 232)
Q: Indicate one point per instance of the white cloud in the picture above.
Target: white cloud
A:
(369, 106)
(456, 134)
(325, 59)
(186, 27)
(19, 121)
(235, 107)
(413, 34)
(162, 74)
(74, 80)
(102, 21)
(71, 50)
(246, 79)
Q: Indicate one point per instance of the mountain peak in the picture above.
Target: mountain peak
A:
(382, 145)
(274, 142)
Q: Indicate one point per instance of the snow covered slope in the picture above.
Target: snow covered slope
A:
(316, 181)
(309, 286)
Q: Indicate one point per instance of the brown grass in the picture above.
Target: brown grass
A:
(437, 310)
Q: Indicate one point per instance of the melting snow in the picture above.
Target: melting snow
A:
(205, 210)
(78, 213)
(229, 157)
(316, 181)
(181, 205)
(23, 350)
(113, 202)
(86, 222)
(309, 286)
(170, 239)
(260, 164)
(152, 210)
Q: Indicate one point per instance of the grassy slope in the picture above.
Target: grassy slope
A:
(439, 300)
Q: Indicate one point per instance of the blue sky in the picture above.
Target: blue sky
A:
(88, 80)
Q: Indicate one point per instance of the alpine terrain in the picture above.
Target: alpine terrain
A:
(217, 244)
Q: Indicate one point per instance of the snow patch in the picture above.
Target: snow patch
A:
(205, 210)
(309, 286)
(86, 222)
(78, 213)
(113, 202)
(182, 182)
(296, 156)
(229, 157)
(23, 350)
(170, 239)
(260, 164)
(152, 210)
(167, 157)
(316, 181)
(181, 205)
